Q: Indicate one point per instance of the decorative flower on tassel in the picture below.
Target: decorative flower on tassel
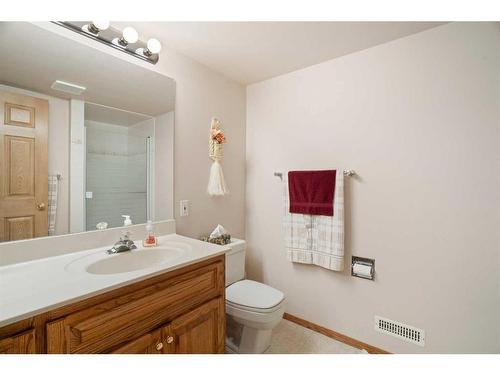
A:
(218, 136)
(216, 184)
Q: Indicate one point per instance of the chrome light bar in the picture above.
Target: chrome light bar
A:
(116, 39)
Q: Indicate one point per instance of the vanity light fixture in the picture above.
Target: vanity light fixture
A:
(95, 26)
(129, 35)
(126, 40)
(153, 46)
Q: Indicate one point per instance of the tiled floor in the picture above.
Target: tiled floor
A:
(290, 338)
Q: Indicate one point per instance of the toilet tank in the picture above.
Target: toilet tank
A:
(235, 261)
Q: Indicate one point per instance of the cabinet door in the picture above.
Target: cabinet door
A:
(23, 343)
(150, 343)
(200, 331)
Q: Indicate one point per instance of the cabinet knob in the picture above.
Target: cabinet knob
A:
(40, 206)
(159, 346)
(170, 339)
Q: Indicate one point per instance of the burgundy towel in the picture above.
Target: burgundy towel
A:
(311, 192)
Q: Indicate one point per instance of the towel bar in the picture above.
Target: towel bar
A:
(347, 173)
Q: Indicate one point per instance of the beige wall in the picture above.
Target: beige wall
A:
(201, 94)
(419, 120)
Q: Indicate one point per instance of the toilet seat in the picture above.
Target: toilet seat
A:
(253, 296)
(253, 309)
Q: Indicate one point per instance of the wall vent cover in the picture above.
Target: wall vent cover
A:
(400, 330)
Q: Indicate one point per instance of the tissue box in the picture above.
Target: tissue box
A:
(220, 240)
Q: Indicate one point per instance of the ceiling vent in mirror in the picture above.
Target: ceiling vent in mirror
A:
(68, 87)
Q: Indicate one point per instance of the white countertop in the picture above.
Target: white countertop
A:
(31, 288)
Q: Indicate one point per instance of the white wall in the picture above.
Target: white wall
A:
(201, 94)
(164, 165)
(419, 120)
(58, 142)
(77, 167)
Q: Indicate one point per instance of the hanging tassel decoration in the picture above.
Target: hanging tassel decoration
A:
(216, 183)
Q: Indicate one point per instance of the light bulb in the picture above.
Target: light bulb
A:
(154, 45)
(101, 25)
(130, 35)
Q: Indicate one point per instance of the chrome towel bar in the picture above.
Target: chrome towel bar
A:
(347, 173)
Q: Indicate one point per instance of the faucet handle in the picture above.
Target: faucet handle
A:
(125, 235)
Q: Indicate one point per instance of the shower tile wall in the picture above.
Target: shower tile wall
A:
(116, 172)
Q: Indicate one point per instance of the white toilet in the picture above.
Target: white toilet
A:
(253, 309)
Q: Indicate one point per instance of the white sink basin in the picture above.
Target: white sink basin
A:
(102, 263)
(132, 261)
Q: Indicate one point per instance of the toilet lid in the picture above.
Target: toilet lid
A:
(253, 294)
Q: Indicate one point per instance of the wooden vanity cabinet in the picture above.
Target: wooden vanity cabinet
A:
(150, 343)
(22, 343)
(182, 311)
(198, 331)
(195, 332)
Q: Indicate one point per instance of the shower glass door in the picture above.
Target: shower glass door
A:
(118, 166)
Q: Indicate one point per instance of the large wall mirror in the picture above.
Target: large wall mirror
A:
(85, 137)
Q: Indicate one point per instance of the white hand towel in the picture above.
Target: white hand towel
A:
(52, 206)
(316, 239)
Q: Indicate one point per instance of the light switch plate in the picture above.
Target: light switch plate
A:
(184, 208)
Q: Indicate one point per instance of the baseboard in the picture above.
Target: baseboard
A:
(334, 335)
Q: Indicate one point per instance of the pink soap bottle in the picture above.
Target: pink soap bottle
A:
(150, 236)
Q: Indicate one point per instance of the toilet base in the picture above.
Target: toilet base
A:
(251, 341)
(255, 340)
(245, 339)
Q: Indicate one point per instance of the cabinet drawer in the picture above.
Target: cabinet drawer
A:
(106, 325)
(22, 343)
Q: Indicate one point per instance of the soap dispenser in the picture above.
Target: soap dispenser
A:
(150, 236)
(127, 222)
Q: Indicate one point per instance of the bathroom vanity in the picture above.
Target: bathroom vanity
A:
(172, 306)
(60, 292)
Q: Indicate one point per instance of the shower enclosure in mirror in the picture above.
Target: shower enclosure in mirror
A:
(119, 158)
(85, 136)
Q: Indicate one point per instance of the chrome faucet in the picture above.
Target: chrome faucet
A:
(125, 244)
